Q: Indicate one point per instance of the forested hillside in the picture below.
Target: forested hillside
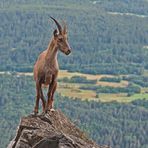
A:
(107, 37)
(102, 41)
(116, 124)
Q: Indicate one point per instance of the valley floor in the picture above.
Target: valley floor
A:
(74, 89)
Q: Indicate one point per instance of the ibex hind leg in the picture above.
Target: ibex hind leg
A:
(52, 98)
(43, 100)
(38, 88)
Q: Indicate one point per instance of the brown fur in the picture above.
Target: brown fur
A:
(46, 69)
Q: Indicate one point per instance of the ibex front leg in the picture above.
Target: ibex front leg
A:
(43, 100)
(51, 104)
(50, 94)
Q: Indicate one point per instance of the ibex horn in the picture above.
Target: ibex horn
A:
(65, 27)
(58, 25)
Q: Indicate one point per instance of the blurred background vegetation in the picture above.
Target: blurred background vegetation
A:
(104, 89)
(104, 38)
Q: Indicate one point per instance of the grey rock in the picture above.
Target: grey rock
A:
(52, 130)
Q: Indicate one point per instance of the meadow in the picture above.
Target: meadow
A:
(74, 89)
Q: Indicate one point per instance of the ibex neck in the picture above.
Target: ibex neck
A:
(51, 51)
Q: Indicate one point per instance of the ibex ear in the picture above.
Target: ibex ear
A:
(55, 33)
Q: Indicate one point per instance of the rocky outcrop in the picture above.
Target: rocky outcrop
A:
(52, 130)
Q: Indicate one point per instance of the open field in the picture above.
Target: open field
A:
(73, 89)
(65, 73)
(91, 95)
(113, 84)
(145, 73)
(122, 97)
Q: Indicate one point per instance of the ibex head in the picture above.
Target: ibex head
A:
(60, 37)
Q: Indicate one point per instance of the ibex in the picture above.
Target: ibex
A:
(46, 67)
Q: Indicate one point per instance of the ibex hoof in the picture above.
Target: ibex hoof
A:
(33, 114)
(49, 110)
(46, 110)
(52, 110)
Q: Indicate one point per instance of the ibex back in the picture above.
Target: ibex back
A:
(46, 67)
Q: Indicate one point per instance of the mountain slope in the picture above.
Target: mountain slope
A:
(121, 124)
(102, 42)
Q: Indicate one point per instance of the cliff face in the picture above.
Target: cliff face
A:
(52, 130)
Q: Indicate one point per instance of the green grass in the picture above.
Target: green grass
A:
(73, 89)
(122, 97)
(145, 73)
(137, 96)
